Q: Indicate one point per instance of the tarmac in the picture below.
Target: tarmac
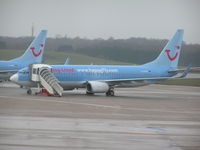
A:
(154, 117)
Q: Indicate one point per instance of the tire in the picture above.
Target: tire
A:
(29, 92)
(107, 94)
(110, 92)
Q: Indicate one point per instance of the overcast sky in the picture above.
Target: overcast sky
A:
(102, 18)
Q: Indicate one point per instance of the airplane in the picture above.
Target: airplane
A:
(104, 78)
(34, 54)
(67, 62)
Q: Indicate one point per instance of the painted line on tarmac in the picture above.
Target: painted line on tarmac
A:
(102, 106)
(60, 101)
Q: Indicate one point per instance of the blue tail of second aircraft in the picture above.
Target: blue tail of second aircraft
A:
(169, 56)
(34, 53)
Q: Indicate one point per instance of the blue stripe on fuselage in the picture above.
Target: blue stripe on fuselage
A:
(93, 72)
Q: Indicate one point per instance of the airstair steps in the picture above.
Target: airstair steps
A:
(49, 81)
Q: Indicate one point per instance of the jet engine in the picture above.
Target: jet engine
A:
(97, 87)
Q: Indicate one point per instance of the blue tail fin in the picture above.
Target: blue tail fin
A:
(169, 56)
(67, 62)
(34, 53)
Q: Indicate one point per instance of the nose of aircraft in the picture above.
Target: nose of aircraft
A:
(14, 78)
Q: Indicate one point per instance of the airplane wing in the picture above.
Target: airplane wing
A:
(142, 80)
(136, 79)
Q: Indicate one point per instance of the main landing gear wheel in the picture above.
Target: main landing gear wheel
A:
(29, 92)
(110, 92)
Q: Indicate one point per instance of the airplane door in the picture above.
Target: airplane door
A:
(34, 71)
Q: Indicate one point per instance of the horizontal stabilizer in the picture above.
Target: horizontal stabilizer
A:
(186, 71)
(179, 70)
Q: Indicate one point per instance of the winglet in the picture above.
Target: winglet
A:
(67, 62)
(186, 71)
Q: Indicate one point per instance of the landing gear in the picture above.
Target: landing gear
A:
(110, 92)
(32, 91)
(29, 92)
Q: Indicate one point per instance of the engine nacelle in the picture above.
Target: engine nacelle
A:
(97, 87)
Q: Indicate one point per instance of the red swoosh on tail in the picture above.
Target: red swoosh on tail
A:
(178, 47)
(35, 54)
(168, 55)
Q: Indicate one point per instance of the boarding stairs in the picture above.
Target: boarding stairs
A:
(49, 82)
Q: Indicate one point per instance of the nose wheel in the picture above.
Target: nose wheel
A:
(110, 92)
(29, 92)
